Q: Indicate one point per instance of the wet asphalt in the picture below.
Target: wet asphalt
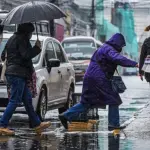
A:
(134, 112)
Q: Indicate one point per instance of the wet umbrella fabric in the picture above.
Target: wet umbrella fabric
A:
(33, 12)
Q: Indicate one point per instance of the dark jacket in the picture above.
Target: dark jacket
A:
(19, 56)
(97, 88)
(144, 52)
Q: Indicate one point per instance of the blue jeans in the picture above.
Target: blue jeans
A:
(74, 112)
(19, 92)
(113, 116)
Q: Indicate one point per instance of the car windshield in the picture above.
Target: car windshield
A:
(4, 41)
(79, 50)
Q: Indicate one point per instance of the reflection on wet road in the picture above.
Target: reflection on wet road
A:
(56, 138)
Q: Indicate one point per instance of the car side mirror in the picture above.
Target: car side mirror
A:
(53, 63)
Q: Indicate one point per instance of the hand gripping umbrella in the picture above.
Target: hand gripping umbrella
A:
(32, 12)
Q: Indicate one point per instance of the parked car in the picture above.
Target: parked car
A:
(55, 78)
(130, 71)
(79, 50)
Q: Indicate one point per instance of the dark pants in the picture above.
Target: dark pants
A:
(19, 93)
(74, 113)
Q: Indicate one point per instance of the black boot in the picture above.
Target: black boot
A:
(63, 121)
(110, 128)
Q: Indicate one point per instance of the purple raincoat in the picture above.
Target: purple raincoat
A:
(97, 89)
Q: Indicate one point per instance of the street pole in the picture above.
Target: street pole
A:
(92, 19)
(51, 22)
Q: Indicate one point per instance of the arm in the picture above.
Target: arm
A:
(118, 59)
(142, 58)
(26, 50)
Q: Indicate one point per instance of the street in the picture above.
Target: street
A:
(55, 138)
(47, 47)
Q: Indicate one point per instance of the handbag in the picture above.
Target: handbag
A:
(118, 85)
(146, 66)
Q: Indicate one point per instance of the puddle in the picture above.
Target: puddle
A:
(56, 138)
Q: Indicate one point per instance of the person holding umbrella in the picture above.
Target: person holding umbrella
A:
(19, 69)
(19, 52)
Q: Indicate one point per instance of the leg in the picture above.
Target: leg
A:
(74, 112)
(35, 121)
(113, 116)
(17, 88)
(27, 100)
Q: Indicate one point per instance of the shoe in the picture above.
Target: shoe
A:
(110, 128)
(63, 121)
(42, 126)
(6, 131)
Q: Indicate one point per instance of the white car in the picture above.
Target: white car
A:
(79, 50)
(55, 78)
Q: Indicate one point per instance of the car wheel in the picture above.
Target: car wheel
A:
(69, 102)
(42, 105)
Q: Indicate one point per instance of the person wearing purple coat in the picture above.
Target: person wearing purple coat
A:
(97, 89)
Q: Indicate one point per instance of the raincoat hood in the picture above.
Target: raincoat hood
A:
(117, 41)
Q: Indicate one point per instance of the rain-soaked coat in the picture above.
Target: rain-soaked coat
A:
(97, 89)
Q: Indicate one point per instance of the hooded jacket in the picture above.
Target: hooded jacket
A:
(19, 56)
(97, 87)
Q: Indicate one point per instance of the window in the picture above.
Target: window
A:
(44, 28)
(79, 50)
(59, 52)
(98, 45)
(38, 28)
(49, 52)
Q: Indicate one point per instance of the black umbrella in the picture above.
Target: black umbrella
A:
(32, 12)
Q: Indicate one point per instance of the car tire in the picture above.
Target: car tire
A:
(42, 105)
(69, 102)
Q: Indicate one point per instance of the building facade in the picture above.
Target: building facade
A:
(76, 22)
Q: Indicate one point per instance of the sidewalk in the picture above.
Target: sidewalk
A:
(139, 127)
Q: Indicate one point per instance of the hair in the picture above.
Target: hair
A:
(25, 28)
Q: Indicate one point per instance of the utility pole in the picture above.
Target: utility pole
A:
(51, 22)
(92, 18)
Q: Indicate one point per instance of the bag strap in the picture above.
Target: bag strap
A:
(117, 72)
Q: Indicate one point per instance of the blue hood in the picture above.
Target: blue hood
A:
(117, 41)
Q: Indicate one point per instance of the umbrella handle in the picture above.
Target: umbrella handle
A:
(36, 31)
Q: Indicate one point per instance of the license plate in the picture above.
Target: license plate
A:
(78, 71)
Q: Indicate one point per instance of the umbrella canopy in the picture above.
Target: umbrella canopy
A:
(32, 12)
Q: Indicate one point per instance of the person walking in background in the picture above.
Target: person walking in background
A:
(97, 87)
(144, 68)
(19, 69)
